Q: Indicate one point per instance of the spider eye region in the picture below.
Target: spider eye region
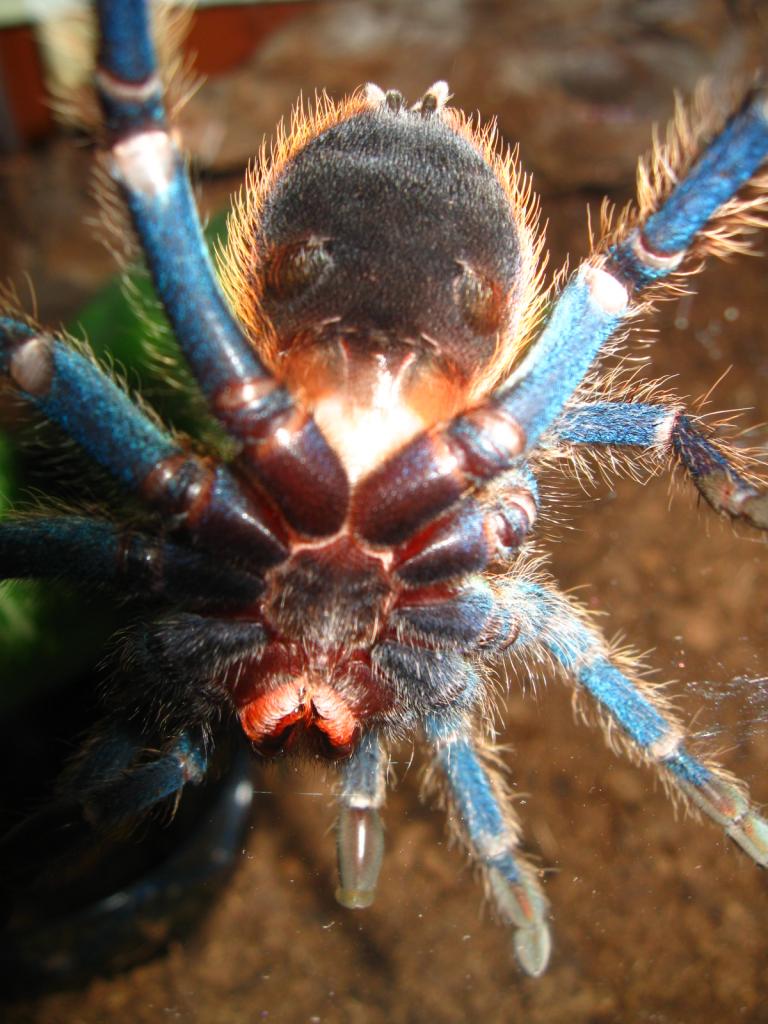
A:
(389, 229)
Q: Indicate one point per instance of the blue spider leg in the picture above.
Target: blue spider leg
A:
(548, 624)
(166, 690)
(123, 919)
(71, 391)
(147, 163)
(434, 470)
(592, 305)
(359, 830)
(98, 553)
(525, 616)
(125, 795)
(111, 785)
(476, 792)
(436, 630)
(101, 761)
(668, 429)
(282, 446)
(638, 424)
(658, 247)
(104, 790)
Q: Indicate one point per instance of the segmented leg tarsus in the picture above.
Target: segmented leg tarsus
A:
(723, 800)
(547, 620)
(715, 476)
(711, 467)
(359, 830)
(492, 836)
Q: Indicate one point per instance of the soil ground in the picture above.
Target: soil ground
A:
(657, 919)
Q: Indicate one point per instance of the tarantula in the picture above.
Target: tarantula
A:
(391, 374)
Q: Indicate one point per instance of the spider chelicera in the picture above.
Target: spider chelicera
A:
(392, 375)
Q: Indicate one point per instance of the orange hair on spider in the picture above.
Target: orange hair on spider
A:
(240, 263)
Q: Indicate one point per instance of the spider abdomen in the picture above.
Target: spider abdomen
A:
(405, 209)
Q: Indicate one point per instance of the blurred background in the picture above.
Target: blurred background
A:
(655, 918)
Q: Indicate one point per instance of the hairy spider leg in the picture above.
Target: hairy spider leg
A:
(111, 788)
(493, 836)
(106, 788)
(359, 831)
(432, 472)
(207, 502)
(282, 445)
(670, 430)
(149, 166)
(53, 835)
(177, 665)
(60, 828)
(131, 792)
(658, 247)
(540, 622)
(548, 621)
(443, 627)
(129, 764)
(136, 565)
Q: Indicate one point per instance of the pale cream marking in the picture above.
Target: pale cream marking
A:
(284, 437)
(250, 392)
(506, 432)
(31, 365)
(655, 260)
(438, 91)
(667, 746)
(373, 94)
(145, 162)
(662, 435)
(525, 500)
(135, 92)
(489, 845)
(738, 498)
(441, 92)
(364, 435)
(243, 793)
(608, 293)
(364, 801)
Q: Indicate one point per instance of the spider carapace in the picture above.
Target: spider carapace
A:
(392, 376)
